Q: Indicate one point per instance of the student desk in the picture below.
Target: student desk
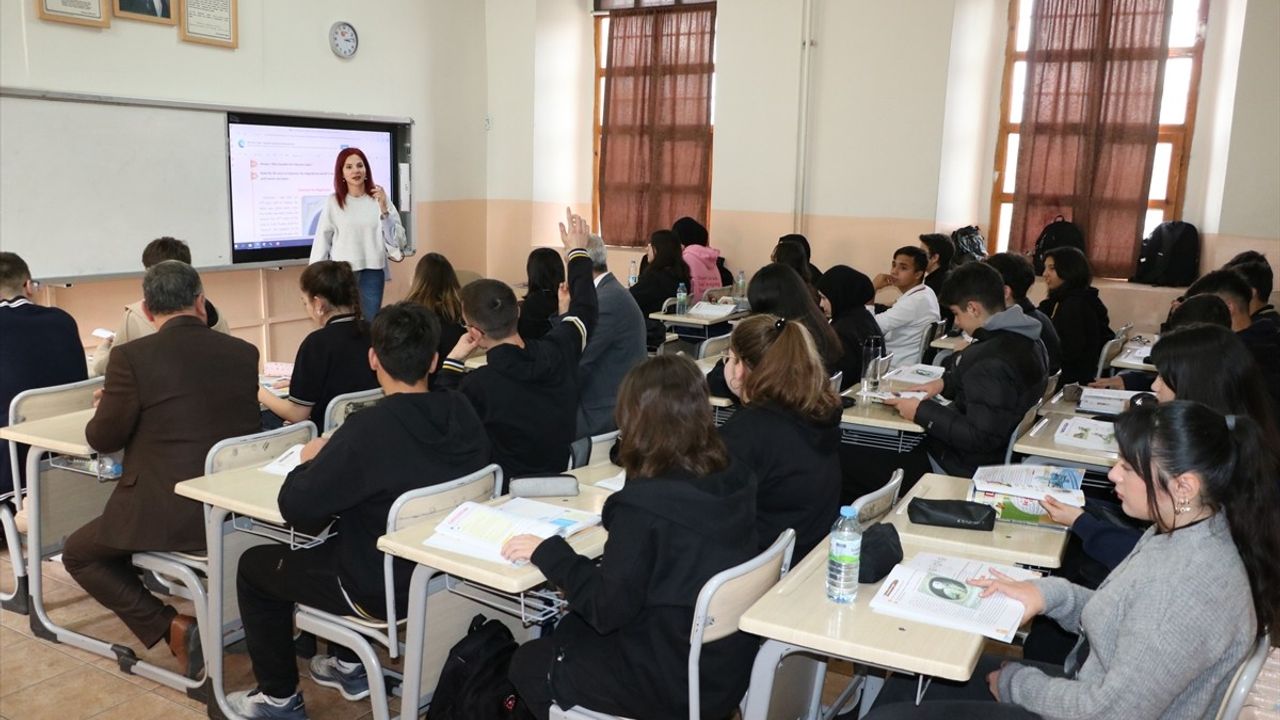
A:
(495, 578)
(1038, 441)
(592, 474)
(695, 324)
(1128, 359)
(795, 616)
(1008, 543)
(1059, 405)
(954, 343)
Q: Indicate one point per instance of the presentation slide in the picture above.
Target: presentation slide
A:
(282, 176)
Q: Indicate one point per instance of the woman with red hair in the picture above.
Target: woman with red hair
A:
(359, 225)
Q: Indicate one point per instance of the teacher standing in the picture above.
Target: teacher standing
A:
(361, 226)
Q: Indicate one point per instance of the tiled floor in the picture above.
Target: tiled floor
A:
(40, 680)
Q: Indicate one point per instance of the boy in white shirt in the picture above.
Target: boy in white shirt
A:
(904, 324)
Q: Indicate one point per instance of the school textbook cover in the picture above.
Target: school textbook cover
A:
(1087, 434)
(917, 374)
(935, 589)
(480, 531)
(1105, 401)
(1015, 491)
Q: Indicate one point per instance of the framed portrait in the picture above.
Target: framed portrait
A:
(210, 22)
(161, 12)
(93, 13)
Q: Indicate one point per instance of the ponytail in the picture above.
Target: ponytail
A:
(1250, 501)
(783, 366)
(334, 282)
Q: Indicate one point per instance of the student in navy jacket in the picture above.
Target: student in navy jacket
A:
(788, 431)
(1077, 313)
(686, 513)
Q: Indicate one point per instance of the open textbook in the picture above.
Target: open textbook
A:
(288, 460)
(917, 374)
(1104, 401)
(480, 531)
(1015, 491)
(934, 589)
(712, 311)
(1098, 435)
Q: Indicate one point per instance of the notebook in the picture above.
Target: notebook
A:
(480, 531)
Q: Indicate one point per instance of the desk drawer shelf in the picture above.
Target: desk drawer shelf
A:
(289, 536)
(532, 607)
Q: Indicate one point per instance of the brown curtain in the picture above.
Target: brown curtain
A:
(655, 139)
(1095, 71)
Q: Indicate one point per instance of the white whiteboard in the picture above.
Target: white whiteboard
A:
(85, 186)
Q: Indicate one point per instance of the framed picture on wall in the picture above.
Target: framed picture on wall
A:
(77, 12)
(210, 22)
(160, 12)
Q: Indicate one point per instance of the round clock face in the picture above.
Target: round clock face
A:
(343, 39)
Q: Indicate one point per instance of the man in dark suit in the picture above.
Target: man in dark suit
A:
(40, 347)
(616, 344)
(167, 399)
(156, 8)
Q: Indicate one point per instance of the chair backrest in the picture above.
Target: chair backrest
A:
(1028, 419)
(41, 403)
(668, 305)
(1051, 386)
(1242, 683)
(256, 449)
(601, 446)
(714, 294)
(1125, 331)
(343, 406)
(836, 379)
(712, 347)
(726, 596)
(416, 504)
(931, 333)
(1109, 352)
(875, 505)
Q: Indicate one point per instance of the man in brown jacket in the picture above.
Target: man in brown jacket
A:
(167, 399)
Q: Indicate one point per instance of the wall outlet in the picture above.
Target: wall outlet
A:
(488, 122)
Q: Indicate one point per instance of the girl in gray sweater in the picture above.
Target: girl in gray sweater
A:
(1162, 636)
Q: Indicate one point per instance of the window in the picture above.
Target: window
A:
(1176, 116)
(654, 75)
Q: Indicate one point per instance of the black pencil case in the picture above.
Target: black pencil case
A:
(952, 513)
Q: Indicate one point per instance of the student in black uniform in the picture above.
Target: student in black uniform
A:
(1077, 313)
(1261, 337)
(1254, 268)
(545, 274)
(844, 294)
(527, 393)
(803, 242)
(941, 251)
(686, 513)
(412, 439)
(332, 360)
(658, 281)
(435, 287)
(1019, 275)
(788, 430)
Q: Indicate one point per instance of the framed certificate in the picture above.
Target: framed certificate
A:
(77, 12)
(210, 22)
(161, 12)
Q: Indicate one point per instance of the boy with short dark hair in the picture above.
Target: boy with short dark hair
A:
(527, 392)
(1262, 338)
(1257, 272)
(411, 439)
(904, 324)
(992, 383)
(1019, 275)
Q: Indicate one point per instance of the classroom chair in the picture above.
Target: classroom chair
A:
(1028, 419)
(344, 406)
(1125, 331)
(713, 346)
(875, 505)
(722, 601)
(714, 294)
(836, 379)
(935, 330)
(34, 404)
(595, 450)
(354, 631)
(1242, 682)
(1109, 352)
(1051, 386)
(184, 573)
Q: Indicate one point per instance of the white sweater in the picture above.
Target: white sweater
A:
(357, 233)
(905, 323)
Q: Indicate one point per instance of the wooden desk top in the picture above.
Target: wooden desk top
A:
(1058, 405)
(407, 543)
(1008, 543)
(952, 343)
(695, 320)
(248, 491)
(1039, 441)
(1126, 359)
(60, 434)
(592, 474)
(877, 415)
(797, 611)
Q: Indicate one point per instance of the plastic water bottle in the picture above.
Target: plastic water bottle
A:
(845, 557)
(634, 277)
(109, 465)
(682, 299)
(740, 287)
(872, 366)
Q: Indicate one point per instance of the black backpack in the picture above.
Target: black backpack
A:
(1170, 255)
(1059, 233)
(473, 682)
(970, 245)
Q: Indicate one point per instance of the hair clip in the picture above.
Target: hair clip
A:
(777, 325)
(1231, 422)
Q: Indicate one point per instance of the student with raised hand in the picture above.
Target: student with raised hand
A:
(527, 393)
(844, 294)
(904, 324)
(332, 360)
(135, 324)
(687, 512)
(544, 271)
(992, 383)
(435, 287)
(788, 430)
(411, 439)
(1077, 313)
(1162, 636)
(614, 347)
(1019, 275)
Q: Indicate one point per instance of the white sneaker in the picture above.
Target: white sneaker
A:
(255, 705)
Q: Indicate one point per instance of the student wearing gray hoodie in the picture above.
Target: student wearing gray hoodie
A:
(991, 384)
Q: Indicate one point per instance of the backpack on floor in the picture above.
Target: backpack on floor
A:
(970, 245)
(1170, 255)
(1059, 233)
(473, 682)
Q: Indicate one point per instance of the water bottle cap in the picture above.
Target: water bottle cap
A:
(848, 511)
